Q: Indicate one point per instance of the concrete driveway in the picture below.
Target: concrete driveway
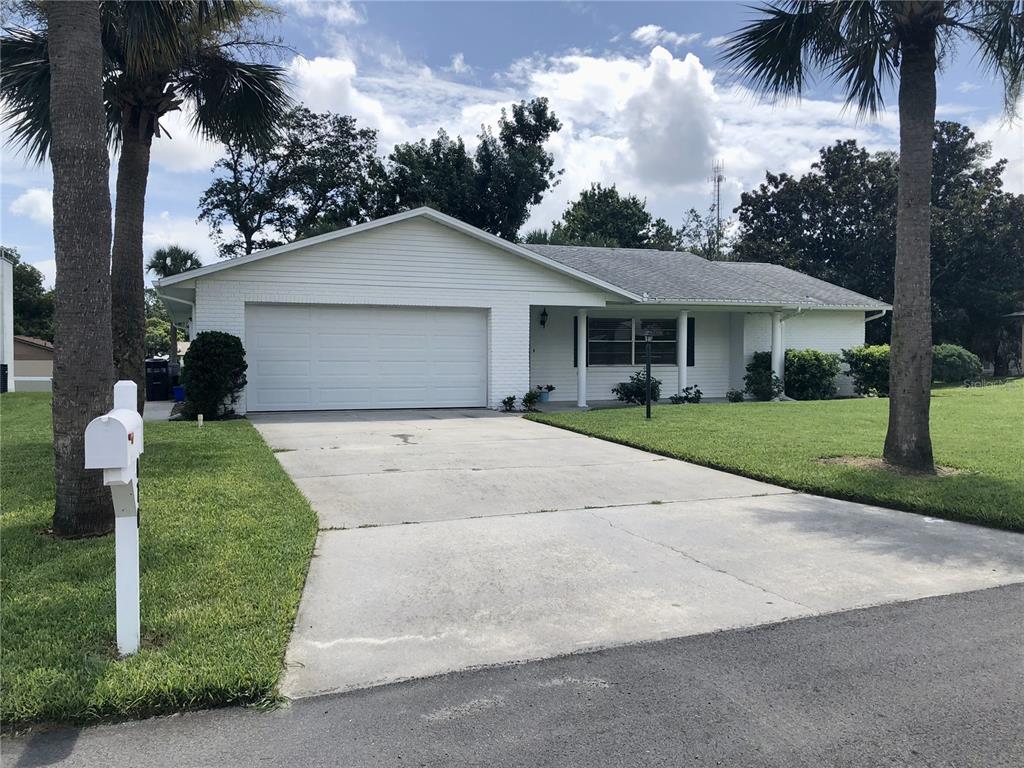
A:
(453, 539)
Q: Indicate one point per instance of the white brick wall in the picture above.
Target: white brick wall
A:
(411, 263)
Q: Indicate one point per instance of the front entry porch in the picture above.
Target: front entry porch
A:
(715, 346)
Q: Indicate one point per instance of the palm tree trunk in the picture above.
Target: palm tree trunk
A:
(83, 368)
(128, 318)
(908, 441)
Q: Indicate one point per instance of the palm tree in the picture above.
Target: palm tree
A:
(159, 56)
(83, 369)
(173, 260)
(863, 47)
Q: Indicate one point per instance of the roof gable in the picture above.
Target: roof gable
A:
(418, 213)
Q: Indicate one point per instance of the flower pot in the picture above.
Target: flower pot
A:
(545, 396)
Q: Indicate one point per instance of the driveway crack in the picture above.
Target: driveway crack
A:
(699, 562)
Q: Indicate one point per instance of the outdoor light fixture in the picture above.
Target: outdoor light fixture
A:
(544, 317)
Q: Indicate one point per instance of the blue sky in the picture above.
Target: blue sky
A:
(644, 100)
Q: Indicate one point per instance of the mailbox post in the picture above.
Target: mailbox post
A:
(113, 443)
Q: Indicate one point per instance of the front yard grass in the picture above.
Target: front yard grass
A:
(977, 430)
(225, 542)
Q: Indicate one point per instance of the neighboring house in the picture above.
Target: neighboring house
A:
(422, 310)
(33, 364)
(7, 323)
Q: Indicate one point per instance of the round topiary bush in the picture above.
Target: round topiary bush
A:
(810, 374)
(213, 372)
(952, 363)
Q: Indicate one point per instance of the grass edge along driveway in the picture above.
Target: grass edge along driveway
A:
(225, 543)
(979, 431)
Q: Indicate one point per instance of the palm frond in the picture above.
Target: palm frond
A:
(25, 90)
(865, 63)
(772, 53)
(998, 30)
(234, 100)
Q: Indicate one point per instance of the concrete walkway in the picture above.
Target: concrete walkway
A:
(454, 539)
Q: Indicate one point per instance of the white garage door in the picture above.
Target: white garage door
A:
(322, 358)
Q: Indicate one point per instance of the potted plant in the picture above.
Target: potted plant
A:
(544, 391)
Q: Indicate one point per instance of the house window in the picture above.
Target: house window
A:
(663, 342)
(609, 341)
(620, 341)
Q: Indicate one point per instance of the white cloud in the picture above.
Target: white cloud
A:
(35, 203)
(968, 87)
(182, 150)
(337, 12)
(459, 65)
(1007, 139)
(717, 40)
(652, 34)
(168, 229)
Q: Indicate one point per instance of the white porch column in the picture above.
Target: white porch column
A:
(581, 358)
(778, 350)
(682, 348)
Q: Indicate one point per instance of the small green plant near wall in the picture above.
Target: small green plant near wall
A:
(508, 404)
(530, 400)
(734, 396)
(691, 394)
(635, 390)
(761, 382)
(213, 374)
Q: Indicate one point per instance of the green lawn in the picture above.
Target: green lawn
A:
(978, 430)
(225, 542)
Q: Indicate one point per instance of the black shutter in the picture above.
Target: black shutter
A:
(689, 342)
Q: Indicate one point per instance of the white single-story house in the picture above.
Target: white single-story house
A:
(422, 310)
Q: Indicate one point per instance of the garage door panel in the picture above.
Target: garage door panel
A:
(303, 358)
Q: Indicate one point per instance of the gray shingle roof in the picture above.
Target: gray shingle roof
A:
(685, 277)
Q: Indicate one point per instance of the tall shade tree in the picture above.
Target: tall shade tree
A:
(158, 57)
(173, 260)
(863, 47)
(83, 369)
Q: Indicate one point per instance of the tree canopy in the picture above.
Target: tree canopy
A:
(322, 172)
(602, 216)
(838, 222)
(33, 303)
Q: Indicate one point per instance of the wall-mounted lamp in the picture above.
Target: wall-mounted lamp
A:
(544, 317)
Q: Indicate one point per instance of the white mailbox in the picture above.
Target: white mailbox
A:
(113, 443)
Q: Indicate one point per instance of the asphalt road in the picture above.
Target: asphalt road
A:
(935, 682)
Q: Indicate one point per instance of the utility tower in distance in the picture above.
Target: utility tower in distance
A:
(716, 179)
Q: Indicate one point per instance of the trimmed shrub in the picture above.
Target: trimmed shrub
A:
(734, 396)
(213, 373)
(761, 381)
(951, 363)
(635, 390)
(530, 399)
(810, 374)
(508, 404)
(690, 394)
(869, 369)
